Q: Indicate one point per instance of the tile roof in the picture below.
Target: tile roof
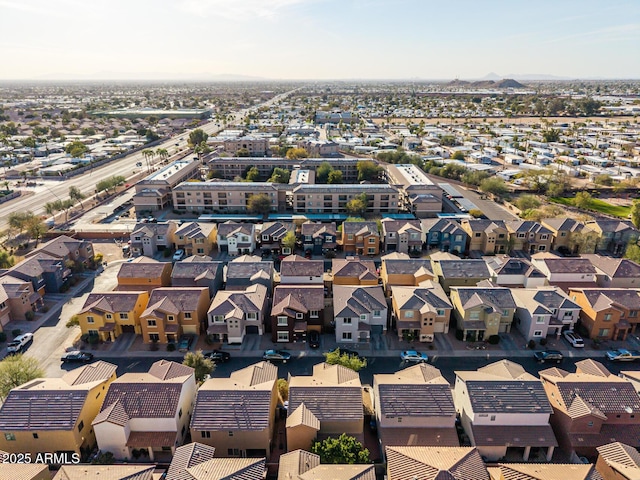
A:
(276, 230)
(605, 298)
(353, 267)
(145, 400)
(152, 439)
(167, 370)
(196, 270)
(547, 471)
(232, 409)
(316, 229)
(435, 463)
(407, 400)
(326, 374)
(360, 228)
(498, 298)
(406, 266)
(24, 471)
(468, 268)
(428, 297)
(242, 272)
(111, 302)
(357, 300)
(568, 265)
(174, 300)
(297, 298)
(508, 396)
(143, 267)
(114, 413)
(614, 267)
(419, 436)
(514, 435)
(229, 469)
(297, 266)
(105, 472)
(334, 403)
(42, 410)
(188, 456)
(295, 463)
(99, 371)
(256, 374)
(609, 432)
(251, 300)
(193, 230)
(303, 416)
(229, 228)
(621, 457)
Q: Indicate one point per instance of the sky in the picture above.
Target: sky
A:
(318, 39)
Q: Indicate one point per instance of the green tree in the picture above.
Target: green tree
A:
(36, 228)
(76, 195)
(6, 260)
(253, 175)
(16, 370)
(457, 155)
(633, 251)
(342, 450)
(335, 177)
(280, 175)
(583, 200)
(76, 149)
(526, 202)
(260, 203)
(323, 171)
(196, 137)
(603, 179)
(296, 153)
(358, 205)
(551, 135)
(350, 361)
(202, 365)
(243, 152)
(162, 153)
(635, 212)
(494, 185)
(289, 240)
(584, 242)
(368, 171)
(283, 389)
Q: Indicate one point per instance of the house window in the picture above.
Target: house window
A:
(314, 313)
(93, 333)
(124, 316)
(80, 425)
(299, 316)
(151, 323)
(440, 313)
(200, 250)
(108, 316)
(187, 314)
(346, 335)
(607, 317)
(283, 336)
(521, 235)
(372, 240)
(603, 332)
(457, 238)
(230, 433)
(218, 319)
(363, 317)
(590, 424)
(350, 236)
(539, 319)
(90, 320)
(35, 435)
(376, 313)
(563, 234)
(283, 321)
(154, 337)
(171, 318)
(475, 315)
(371, 251)
(505, 313)
(252, 316)
(544, 236)
(346, 320)
(537, 333)
(265, 238)
(493, 418)
(477, 235)
(542, 248)
(9, 437)
(205, 434)
(633, 313)
(408, 314)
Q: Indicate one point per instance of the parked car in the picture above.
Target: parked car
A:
(185, 343)
(19, 343)
(314, 339)
(276, 356)
(413, 356)
(179, 255)
(77, 356)
(623, 355)
(573, 338)
(548, 356)
(218, 356)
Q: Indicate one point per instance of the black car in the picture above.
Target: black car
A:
(314, 339)
(549, 356)
(218, 356)
(77, 357)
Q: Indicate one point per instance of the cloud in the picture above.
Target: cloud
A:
(239, 9)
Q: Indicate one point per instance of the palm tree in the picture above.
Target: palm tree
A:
(76, 195)
(148, 154)
(162, 153)
(6, 260)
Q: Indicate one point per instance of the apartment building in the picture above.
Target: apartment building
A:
(381, 199)
(418, 194)
(225, 197)
(154, 192)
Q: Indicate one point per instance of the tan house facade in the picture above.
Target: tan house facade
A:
(608, 313)
(482, 312)
(108, 315)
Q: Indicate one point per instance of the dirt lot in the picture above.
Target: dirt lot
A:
(109, 249)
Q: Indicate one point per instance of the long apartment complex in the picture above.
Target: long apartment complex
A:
(154, 191)
(334, 198)
(225, 197)
(418, 194)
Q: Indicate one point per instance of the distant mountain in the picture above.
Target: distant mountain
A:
(491, 76)
(501, 83)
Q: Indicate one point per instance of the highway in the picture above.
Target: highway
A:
(51, 190)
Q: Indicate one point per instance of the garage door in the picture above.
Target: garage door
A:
(189, 329)
(438, 327)
(128, 329)
(252, 329)
(376, 329)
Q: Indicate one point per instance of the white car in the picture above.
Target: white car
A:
(573, 338)
(179, 255)
(19, 343)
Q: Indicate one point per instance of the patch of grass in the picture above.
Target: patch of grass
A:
(598, 205)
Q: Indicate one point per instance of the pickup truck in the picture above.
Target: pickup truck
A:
(623, 355)
(19, 343)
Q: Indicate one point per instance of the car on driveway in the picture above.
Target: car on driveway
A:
(413, 356)
(548, 356)
(179, 255)
(77, 356)
(218, 356)
(623, 355)
(19, 343)
(573, 338)
(276, 356)
(314, 339)
(185, 343)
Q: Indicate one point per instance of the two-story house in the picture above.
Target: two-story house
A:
(296, 309)
(359, 311)
(504, 409)
(544, 311)
(20, 299)
(482, 312)
(108, 315)
(143, 273)
(420, 312)
(196, 238)
(195, 461)
(608, 313)
(566, 272)
(404, 236)
(234, 314)
(147, 412)
(318, 238)
(614, 235)
(354, 271)
(444, 235)
(570, 235)
(301, 464)
(192, 272)
(236, 238)
(414, 407)
(150, 238)
(271, 235)
(615, 272)
(486, 236)
(459, 273)
(49, 415)
(360, 238)
(591, 407)
(435, 463)
(67, 248)
(236, 415)
(528, 236)
(240, 275)
(507, 271)
(174, 311)
(618, 461)
(327, 403)
(409, 272)
(47, 274)
(297, 270)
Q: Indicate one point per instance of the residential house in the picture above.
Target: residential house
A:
(420, 312)
(296, 309)
(300, 464)
(571, 236)
(486, 236)
(506, 271)
(354, 271)
(172, 312)
(24, 471)
(49, 415)
(404, 272)
(359, 311)
(196, 461)
(143, 273)
(608, 313)
(47, 274)
(414, 407)
(459, 273)
(482, 312)
(528, 236)
(615, 272)
(504, 409)
(566, 272)
(444, 235)
(234, 314)
(615, 235)
(196, 273)
(148, 239)
(110, 314)
(271, 235)
(435, 463)
(147, 412)
(318, 238)
(19, 298)
(67, 248)
(240, 275)
(236, 238)
(544, 311)
(113, 472)
(591, 407)
(327, 403)
(236, 415)
(543, 471)
(360, 238)
(618, 461)
(404, 236)
(297, 270)
(196, 238)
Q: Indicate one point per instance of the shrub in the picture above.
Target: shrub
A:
(532, 344)
(29, 315)
(45, 309)
(3, 337)
(459, 335)
(171, 347)
(167, 253)
(15, 332)
(494, 339)
(543, 341)
(93, 339)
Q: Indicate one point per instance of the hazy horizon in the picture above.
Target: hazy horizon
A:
(306, 40)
